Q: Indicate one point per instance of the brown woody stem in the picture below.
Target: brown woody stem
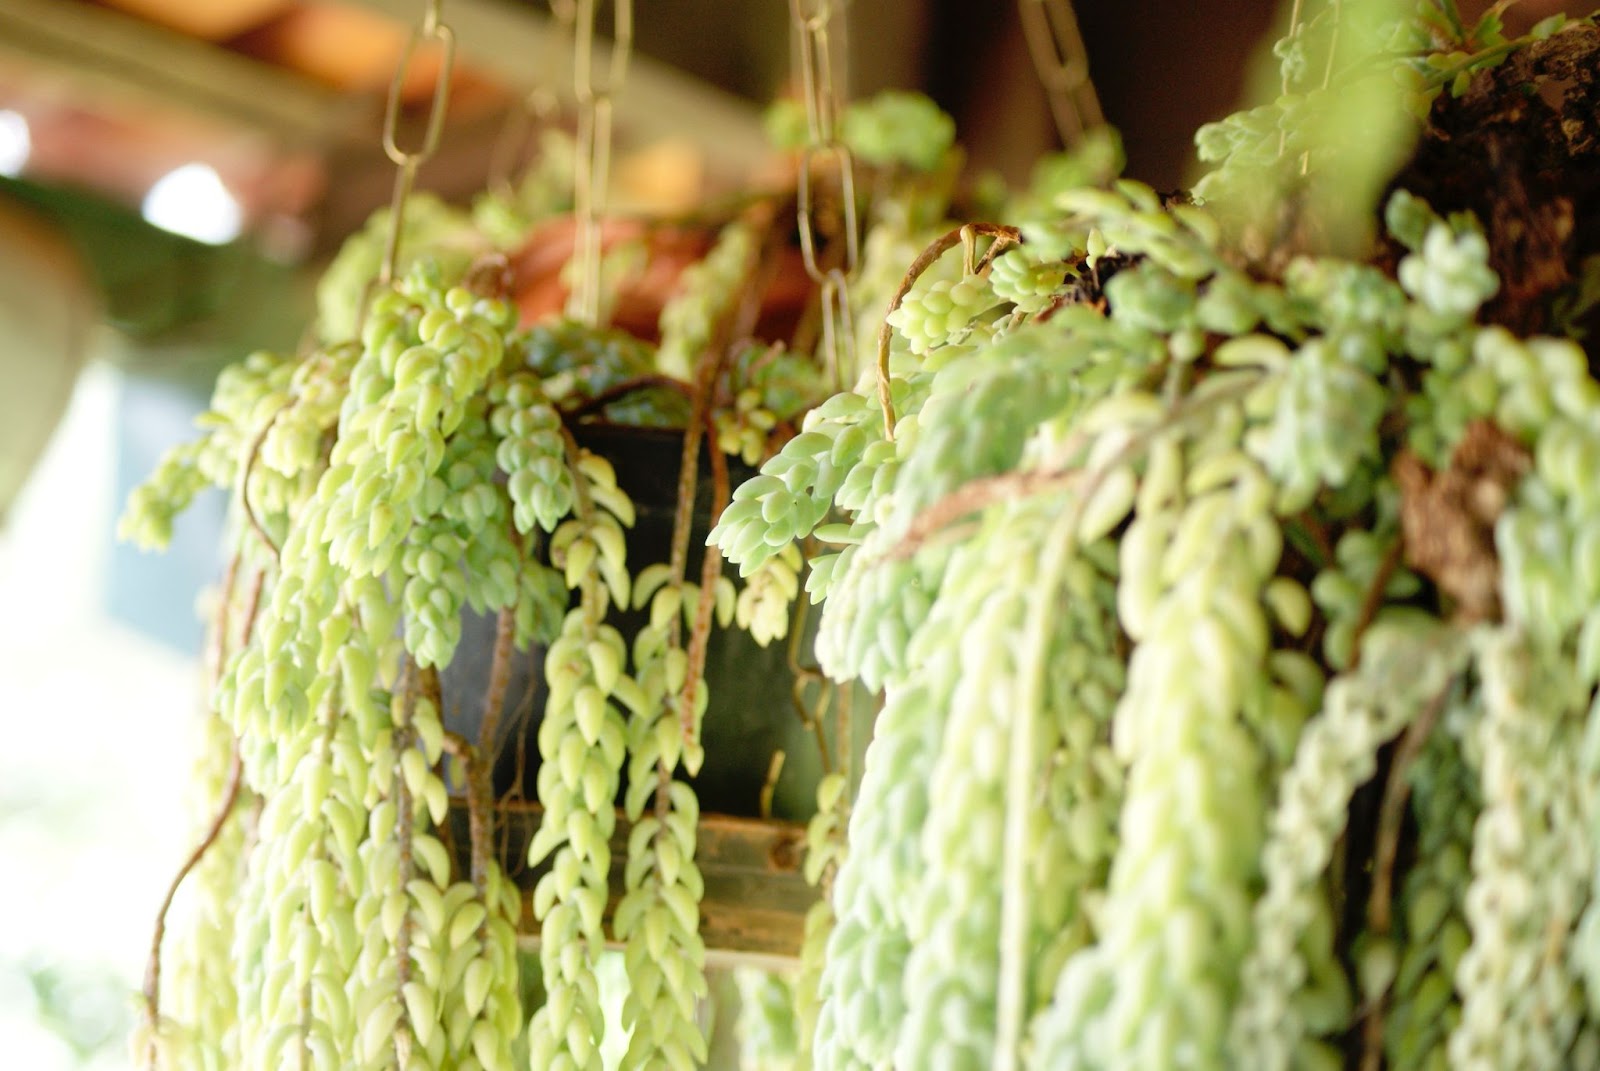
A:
(710, 573)
(152, 972)
(1391, 819)
(244, 482)
(225, 807)
(479, 805)
(1372, 600)
(404, 737)
(494, 696)
(1003, 236)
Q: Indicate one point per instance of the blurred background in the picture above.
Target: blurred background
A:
(173, 176)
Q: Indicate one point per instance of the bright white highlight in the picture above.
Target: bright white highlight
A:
(16, 143)
(192, 201)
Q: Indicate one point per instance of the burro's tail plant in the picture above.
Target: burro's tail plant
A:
(370, 518)
(1231, 568)
(421, 460)
(385, 485)
(1228, 563)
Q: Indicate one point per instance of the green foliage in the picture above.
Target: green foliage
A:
(577, 364)
(1204, 736)
(1405, 666)
(1326, 136)
(544, 190)
(893, 128)
(83, 1008)
(707, 292)
(431, 230)
(767, 1036)
(1433, 926)
(1138, 528)
(944, 310)
(387, 482)
(898, 128)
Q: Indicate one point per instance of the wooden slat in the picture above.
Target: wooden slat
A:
(351, 49)
(134, 60)
(756, 899)
(210, 20)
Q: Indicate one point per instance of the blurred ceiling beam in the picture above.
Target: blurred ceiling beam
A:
(210, 20)
(110, 51)
(520, 45)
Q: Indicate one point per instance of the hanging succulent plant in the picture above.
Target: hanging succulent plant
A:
(1227, 565)
(1223, 564)
(425, 462)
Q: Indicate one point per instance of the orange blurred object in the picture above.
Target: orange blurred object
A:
(350, 49)
(211, 20)
(541, 294)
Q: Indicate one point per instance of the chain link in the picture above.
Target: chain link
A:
(838, 328)
(539, 106)
(431, 28)
(825, 154)
(595, 110)
(532, 113)
(812, 22)
(1056, 44)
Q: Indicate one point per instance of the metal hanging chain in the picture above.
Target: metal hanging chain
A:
(535, 110)
(812, 23)
(407, 161)
(1056, 44)
(539, 106)
(595, 97)
(532, 112)
(814, 35)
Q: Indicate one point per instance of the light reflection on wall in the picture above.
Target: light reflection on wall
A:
(16, 142)
(98, 726)
(193, 201)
